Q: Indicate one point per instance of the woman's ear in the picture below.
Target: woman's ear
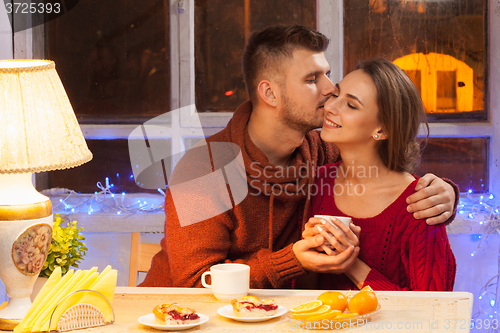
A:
(267, 93)
(381, 134)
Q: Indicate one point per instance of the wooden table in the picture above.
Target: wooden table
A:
(400, 311)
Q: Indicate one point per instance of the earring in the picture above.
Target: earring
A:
(376, 136)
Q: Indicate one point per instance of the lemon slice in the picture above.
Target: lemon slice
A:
(346, 315)
(306, 307)
(305, 315)
(327, 315)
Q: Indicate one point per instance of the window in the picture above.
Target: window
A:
(113, 59)
(442, 39)
(175, 34)
(443, 47)
(221, 32)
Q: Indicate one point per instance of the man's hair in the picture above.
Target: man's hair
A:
(267, 50)
(401, 112)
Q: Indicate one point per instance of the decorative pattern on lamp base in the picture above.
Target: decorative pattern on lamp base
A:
(23, 244)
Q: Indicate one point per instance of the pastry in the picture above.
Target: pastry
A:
(173, 314)
(251, 306)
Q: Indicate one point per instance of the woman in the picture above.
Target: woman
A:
(374, 117)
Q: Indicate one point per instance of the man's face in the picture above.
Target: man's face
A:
(306, 88)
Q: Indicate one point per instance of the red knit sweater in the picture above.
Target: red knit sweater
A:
(404, 253)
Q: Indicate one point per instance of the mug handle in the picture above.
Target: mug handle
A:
(206, 285)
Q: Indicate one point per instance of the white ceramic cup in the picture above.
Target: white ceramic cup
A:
(343, 219)
(229, 281)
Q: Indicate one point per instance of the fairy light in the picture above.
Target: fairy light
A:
(488, 210)
(104, 199)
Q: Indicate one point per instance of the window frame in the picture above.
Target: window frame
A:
(30, 44)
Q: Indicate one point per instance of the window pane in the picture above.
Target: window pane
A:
(221, 32)
(113, 58)
(463, 160)
(439, 43)
(111, 159)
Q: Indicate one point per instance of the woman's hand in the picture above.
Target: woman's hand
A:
(339, 238)
(312, 260)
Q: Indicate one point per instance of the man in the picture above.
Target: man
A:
(287, 77)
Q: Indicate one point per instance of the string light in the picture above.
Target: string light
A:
(104, 199)
(470, 207)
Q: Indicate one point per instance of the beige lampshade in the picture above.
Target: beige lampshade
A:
(38, 128)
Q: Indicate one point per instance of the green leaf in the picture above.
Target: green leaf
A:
(66, 248)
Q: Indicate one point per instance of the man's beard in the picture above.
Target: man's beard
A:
(297, 119)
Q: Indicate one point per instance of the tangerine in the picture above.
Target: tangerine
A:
(363, 302)
(335, 299)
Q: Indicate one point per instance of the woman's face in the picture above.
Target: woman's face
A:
(351, 113)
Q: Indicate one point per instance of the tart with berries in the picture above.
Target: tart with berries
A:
(251, 306)
(173, 314)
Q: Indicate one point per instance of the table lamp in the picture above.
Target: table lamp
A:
(38, 132)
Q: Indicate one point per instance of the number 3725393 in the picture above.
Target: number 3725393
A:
(472, 323)
(32, 8)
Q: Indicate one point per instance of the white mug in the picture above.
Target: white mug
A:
(229, 280)
(344, 219)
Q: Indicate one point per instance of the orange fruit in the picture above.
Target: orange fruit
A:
(327, 315)
(335, 299)
(304, 315)
(306, 307)
(363, 302)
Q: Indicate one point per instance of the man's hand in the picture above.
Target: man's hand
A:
(312, 260)
(434, 200)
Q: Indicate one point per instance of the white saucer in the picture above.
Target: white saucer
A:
(227, 311)
(149, 320)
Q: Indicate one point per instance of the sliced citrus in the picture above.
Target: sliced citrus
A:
(346, 315)
(327, 315)
(304, 315)
(336, 299)
(306, 307)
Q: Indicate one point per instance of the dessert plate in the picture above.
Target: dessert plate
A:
(149, 320)
(227, 311)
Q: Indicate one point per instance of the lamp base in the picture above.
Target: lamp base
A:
(16, 307)
(25, 235)
(9, 324)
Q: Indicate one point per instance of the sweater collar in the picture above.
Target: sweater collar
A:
(271, 178)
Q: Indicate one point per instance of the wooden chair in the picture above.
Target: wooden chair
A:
(141, 255)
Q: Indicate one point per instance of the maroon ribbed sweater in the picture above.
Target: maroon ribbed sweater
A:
(404, 253)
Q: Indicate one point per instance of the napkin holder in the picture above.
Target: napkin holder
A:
(81, 315)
